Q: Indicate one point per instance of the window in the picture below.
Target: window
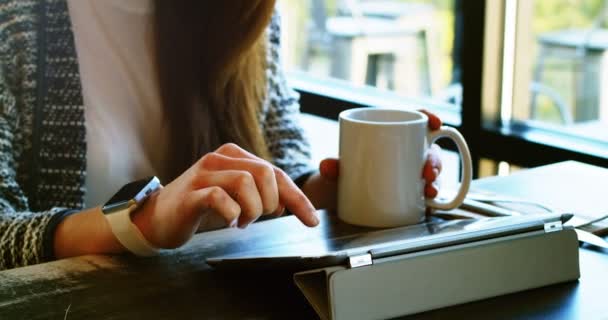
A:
(561, 62)
(524, 80)
(386, 53)
(402, 46)
(545, 77)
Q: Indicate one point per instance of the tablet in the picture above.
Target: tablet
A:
(284, 243)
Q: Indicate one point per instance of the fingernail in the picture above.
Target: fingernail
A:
(430, 191)
(315, 219)
(434, 191)
(233, 223)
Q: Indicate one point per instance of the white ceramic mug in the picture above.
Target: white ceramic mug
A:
(382, 155)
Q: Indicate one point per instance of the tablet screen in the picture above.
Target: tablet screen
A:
(334, 241)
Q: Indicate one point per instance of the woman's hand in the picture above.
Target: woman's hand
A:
(432, 167)
(229, 182)
(329, 171)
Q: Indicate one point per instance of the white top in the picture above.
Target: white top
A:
(126, 139)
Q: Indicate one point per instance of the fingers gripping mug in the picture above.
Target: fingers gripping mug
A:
(382, 155)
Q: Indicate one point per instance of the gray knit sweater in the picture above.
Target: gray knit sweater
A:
(42, 127)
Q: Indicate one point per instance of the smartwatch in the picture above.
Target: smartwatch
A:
(118, 212)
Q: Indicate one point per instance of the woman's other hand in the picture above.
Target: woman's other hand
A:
(432, 167)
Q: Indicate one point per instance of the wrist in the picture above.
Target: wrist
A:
(86, 232)
(143, 218)
(127, 202)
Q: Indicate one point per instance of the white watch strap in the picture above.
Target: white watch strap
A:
(129, 235)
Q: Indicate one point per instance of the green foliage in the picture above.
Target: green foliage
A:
(550, 15)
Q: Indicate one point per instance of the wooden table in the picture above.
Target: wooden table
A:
(178, 284)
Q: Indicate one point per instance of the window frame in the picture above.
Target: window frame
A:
(479, 120)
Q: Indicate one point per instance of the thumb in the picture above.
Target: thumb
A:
(329, 168)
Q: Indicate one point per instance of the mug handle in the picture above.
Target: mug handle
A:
(467, 167)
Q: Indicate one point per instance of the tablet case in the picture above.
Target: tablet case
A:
(421, 281)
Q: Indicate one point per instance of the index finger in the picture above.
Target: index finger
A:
(295, 200)
(289, 194)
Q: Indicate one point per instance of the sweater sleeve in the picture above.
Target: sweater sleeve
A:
(26, 237)
(285, 137)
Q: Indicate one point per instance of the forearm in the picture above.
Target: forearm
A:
(86, 232)
(321, 191)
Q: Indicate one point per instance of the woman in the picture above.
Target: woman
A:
(95, 94)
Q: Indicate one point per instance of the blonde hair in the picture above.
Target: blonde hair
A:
(211, 58)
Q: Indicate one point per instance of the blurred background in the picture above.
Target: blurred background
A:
(403, 46)
(408, 46)
(544, 62)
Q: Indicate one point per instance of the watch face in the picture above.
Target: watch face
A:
(135, 191)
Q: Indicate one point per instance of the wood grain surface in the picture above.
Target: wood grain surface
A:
(179, 285)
